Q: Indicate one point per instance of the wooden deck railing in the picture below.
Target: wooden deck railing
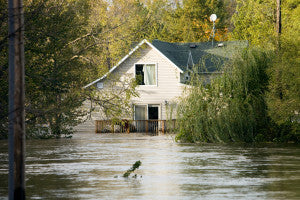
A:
(135, 126)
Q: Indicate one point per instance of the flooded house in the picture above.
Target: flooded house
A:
(162, 71)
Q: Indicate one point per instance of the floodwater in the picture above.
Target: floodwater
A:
(90, 166)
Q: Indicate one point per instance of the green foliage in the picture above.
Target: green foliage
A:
(254, 22)
(55, 68)
(3, 70)
(114, 99)
(284, 90)
(187, 22)
(54, 71)
(69, 44)
(232, 108)
(135, 166)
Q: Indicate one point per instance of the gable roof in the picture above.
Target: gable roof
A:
(181, 54)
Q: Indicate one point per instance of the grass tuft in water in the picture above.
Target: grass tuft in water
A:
(135, 166)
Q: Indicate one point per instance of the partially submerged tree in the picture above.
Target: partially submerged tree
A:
(255, 21)
(65, 44)
(284, 89)
(114, 100)
(232, 107)
(55, 68)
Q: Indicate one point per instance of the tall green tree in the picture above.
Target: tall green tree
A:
(284, 89)
(59, 42)
(55, 68)
(255, 21)
(68, 44)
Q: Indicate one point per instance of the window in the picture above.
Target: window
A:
(146, 112)
(145, 74)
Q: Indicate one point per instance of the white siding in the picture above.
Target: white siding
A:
(168, 85)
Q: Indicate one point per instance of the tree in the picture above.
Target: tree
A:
(284, 95)
(115, 100)
(57, 39)
(255, 22)
(122, 24)
(232, 108)
(68, 44)
(3, 69)
(55, 66)
(189, 22)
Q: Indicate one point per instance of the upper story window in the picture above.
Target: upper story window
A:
(146, 74)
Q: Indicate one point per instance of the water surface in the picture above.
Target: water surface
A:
(90, 166)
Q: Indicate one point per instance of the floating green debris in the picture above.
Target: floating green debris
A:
(135, 166)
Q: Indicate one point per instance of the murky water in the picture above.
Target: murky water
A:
(86, 167)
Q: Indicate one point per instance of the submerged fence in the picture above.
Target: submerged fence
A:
(135, 126)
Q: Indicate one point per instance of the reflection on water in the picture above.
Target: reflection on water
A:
(86, 167)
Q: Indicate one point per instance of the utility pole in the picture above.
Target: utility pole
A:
(16, 114)
(278, 23)
(278, 30)
(213, 37)
(278, 17)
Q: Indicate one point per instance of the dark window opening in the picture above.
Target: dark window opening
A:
(139, 74)
(153, 112)
(146, 74)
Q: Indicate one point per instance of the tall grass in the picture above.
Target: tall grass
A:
(232, 107)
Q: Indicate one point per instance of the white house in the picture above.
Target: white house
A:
(162, 69)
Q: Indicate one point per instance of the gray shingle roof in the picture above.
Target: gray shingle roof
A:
(202, 52)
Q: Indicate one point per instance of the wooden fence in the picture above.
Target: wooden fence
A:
(135, 126)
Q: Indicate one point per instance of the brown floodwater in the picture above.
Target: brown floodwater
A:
(90, 166)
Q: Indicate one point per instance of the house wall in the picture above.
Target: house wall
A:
(168, 87)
